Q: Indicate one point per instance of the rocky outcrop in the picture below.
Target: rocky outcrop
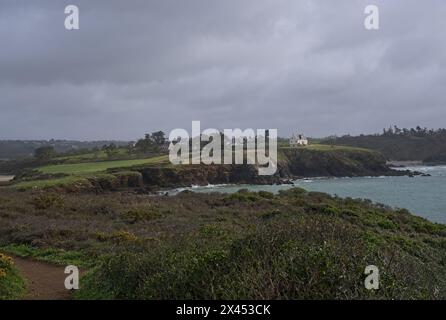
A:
(183, 176)
(304, 162)
(294, 163)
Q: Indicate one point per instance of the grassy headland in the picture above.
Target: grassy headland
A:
(338, 161)
(155, 172)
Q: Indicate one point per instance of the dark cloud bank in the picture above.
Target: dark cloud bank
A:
(137, 66)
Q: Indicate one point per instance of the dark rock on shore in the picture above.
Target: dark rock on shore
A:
(184, 176)
(335, 163)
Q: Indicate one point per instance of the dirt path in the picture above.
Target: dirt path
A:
(44, 281)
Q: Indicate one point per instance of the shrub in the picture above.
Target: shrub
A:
(140, 214)
(317, 258)
(292, 192)
(47, 200)
(212, 230)
(270, 214)
(123, 236)
(243, 196)
(266, 195)
(12, 285)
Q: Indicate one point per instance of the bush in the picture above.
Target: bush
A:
(292, 192)
(266, 195)
(140, 214)
(243, 196)
(47, 200)
(118, 237)
(318, 258)
(12, 285)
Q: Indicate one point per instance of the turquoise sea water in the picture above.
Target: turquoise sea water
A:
(423, 196)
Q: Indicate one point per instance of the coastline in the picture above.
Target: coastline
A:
(404, 164)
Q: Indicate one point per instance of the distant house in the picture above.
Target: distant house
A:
(298, 140)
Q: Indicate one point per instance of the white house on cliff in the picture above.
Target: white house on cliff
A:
(298, 140)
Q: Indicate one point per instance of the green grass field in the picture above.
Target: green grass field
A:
(42, 184)
(90, 167)
(326, 147)
(92, 156)
(78, 173)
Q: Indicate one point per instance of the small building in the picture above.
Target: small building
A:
(298, 140)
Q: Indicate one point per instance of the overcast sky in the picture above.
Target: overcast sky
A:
(140, 66)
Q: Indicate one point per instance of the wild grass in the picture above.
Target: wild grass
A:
(55, 256)
(326, 147)
(247, 245)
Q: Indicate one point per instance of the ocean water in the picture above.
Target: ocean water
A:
(423, 196)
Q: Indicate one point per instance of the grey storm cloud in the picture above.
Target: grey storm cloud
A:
(140, 66)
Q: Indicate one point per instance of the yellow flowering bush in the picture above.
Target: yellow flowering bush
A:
(5, 264)
(5, 260)
(12, 285)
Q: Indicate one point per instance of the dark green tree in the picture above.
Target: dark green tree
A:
(158, 138)
(145, 145)
(44, 153)
(110, 150)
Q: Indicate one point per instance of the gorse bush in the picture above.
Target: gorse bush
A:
(140, 214)
(11, 284)
(48, 200)
(117, 237)
(249, 245)
(5, 264)
(316, 258)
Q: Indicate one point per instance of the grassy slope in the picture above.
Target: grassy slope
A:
(330, 160)
(92, 156)
(304, 246)
(42, 184)
(397, 147)
(89, 167)
(79, 172)
(326, 147)
(323, 148)
(50, 255)
(244, 245)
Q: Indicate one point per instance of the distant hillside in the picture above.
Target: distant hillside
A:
(15, 149)
(401, 144)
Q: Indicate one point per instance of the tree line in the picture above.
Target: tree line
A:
(151, 143)
(415, 132)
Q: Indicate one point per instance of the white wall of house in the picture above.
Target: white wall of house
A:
(298, 140)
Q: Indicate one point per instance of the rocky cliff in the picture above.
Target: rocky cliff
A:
(293, 163)
(334, 162)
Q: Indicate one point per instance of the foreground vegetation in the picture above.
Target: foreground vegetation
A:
(294, 245)
(12, 285)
